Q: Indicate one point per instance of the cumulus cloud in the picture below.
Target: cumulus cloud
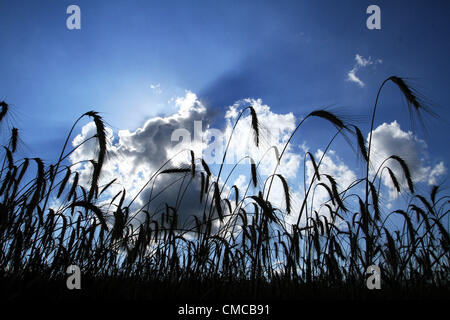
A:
(135, 155)
(331, 165)
(334, 166)
(390, 139)
(241, 182)
(275, 130)
(361, 62)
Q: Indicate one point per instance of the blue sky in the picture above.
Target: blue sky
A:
(294, 55)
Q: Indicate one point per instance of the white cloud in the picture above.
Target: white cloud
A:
(156, 88)
(390, 139)
(437, 171)
(241, 182)
(275, 130)
(361, 62)
(134, 156)
(186, 103)
(331, 165)
(352, 77)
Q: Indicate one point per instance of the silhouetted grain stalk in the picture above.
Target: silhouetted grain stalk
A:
(49, 219)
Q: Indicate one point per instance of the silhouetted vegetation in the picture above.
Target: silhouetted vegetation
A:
(240, 246)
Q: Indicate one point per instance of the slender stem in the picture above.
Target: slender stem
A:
(228, 143)
(59, 160)
(366, 219)
(282, 153)
(313, 178)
